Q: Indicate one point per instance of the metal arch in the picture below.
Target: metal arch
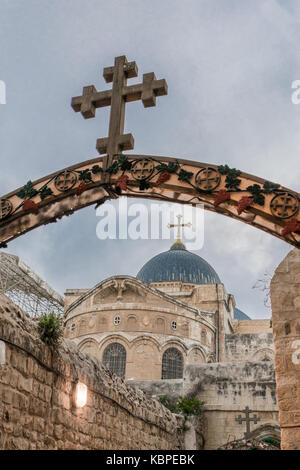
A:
(97, 183)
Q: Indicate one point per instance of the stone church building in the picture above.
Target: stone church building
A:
(175, 313)
(174, 326)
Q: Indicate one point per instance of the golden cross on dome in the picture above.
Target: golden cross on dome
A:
(121, 93)
(179, 227)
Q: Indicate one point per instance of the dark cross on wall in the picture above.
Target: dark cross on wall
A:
(247, 420)
(91, 99)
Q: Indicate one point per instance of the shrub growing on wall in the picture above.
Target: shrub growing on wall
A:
(169, 403)
(50, 328)
(189, 406)
(184, 405)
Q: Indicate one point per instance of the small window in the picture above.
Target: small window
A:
(117, 320)
(73, 326)
(174, 325)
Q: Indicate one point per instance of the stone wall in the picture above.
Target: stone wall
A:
(226, 389)
(249, 347)
(37, 408)
(252, 326)
(285, 301)
(158, 388)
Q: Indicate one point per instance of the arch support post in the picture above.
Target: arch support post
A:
(285, 301)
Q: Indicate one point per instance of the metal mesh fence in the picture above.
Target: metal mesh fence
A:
(26, 289)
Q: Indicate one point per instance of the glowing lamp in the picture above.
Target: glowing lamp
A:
(80, 395)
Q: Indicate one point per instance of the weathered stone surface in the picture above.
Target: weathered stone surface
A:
(254, 347)
(37, 409)
(285, 301)
(171, 388)
(226, 389)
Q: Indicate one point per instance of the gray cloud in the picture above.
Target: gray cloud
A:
(229, 67)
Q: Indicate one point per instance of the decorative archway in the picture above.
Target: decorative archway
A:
(250, 444)
(252, 200)
(269, 432)
(265, 437)
(227, 191)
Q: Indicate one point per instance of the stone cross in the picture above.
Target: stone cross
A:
(247, 420)
(179, 226)
(91, 99)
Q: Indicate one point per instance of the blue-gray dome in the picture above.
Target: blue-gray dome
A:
(178, 264)
(239, 315)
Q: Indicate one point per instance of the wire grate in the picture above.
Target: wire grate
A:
(172, 364)
(114, 358)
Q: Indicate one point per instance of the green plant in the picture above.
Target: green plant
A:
(186, 427)
(189, 406)
(222, 379)
(50, 328)
(168, 403)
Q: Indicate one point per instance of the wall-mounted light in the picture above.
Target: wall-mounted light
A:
(80, 395)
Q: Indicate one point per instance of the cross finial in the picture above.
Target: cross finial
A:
(179, 226)
(91, 99)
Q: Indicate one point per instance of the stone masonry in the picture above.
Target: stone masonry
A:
(226, 389)
(285, 300)
(37, 408)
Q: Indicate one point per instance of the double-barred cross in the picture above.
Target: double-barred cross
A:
(91, 99)
(247, 420)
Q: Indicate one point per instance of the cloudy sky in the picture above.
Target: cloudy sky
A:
(229, 65)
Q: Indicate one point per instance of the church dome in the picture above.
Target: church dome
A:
(178, 264)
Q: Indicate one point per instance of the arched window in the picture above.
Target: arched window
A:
(114, 358)
(90, 347)
(172, 364)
